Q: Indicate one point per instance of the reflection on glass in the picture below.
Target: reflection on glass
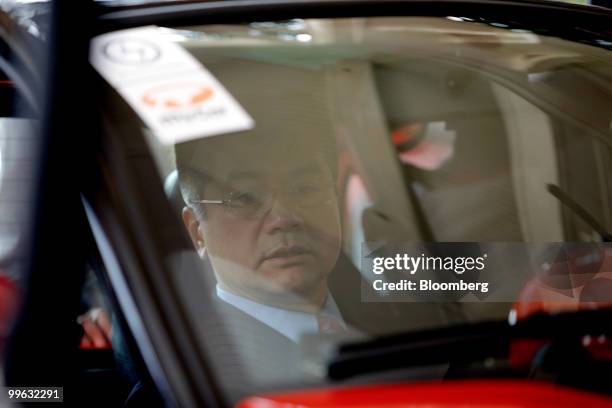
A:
(383, 131)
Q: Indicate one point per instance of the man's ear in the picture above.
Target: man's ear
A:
(195, 233)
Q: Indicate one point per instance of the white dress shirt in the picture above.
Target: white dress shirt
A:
(292, 324)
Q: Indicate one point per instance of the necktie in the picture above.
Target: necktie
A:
(329, 324)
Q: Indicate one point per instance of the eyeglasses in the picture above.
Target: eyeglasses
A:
(253, 203)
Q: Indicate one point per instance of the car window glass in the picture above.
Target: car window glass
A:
(369, 132)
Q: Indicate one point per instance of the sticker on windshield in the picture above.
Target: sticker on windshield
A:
(168, 88)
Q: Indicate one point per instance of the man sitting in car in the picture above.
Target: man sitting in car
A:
(261, 207)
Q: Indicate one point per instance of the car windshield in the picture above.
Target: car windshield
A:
(345, 179)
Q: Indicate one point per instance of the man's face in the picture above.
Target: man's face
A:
(279, 234)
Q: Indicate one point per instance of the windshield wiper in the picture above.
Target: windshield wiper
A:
(579, 210)
(463, 343)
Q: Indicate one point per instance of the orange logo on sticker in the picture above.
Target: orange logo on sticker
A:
(176, 96)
